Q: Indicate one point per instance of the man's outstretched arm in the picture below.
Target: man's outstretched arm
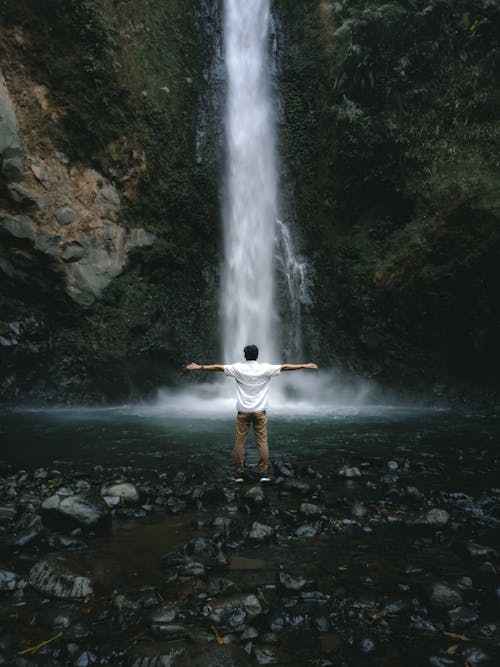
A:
(201, 367)
(297, 367)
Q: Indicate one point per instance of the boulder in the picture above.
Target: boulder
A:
(127, 492)
(85, 510)
(60, 577)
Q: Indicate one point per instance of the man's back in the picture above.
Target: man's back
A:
(252, 384)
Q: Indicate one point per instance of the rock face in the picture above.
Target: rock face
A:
(58, 576)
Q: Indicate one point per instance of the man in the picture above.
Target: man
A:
(252, 388)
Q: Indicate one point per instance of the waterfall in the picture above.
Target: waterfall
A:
(248, 290)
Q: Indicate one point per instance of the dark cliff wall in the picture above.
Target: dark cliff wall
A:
(110, 240)
(113, 87)
(391, 143)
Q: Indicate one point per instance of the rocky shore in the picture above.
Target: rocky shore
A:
(347, 561)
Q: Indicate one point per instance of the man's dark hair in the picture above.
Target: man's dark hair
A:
(251, 352)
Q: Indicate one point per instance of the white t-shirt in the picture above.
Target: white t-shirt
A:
(252, 384)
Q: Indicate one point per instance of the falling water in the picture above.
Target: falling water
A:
(248, 294)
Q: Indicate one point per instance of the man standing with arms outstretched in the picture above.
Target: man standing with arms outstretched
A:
(252, 388)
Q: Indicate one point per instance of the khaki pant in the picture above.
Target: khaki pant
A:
(243, 421)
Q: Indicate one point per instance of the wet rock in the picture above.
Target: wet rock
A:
(436, 517)
(85, 510)
(206, 551)
(442, 661)
(461, 617)
(8, 580)
(32, 533)
(413, 493)
(284, 469)
(392, 466)
(359, 510)
(85, 659)
(61, 542)
(475, 656)
(290, 584)
(224, 608)
(465, 583)
(255, 495)
(260, 532)
(444, 597)
(57, 576)
(249, 633)
(309, 509)
(349, 472)
(480, 551)
(127, 492)
(367, 646)
(306, 531)
(175, 506)
(170, 631)
(220, 585)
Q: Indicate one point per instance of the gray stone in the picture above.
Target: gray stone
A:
(65, 215)
(60, 577)
(349, 472)
(29, 197)
(306, 531)
(8, 580)
(47, 241)
(480, 551)
(444, 597)
(85, 510)
(255, 494)
(291, 584)
(309, 509)
(19, 226)
(259, 532)
(461, 617)
(71, 251)
(205, 551)
(359, 510)
(436, 517)
(126, 491)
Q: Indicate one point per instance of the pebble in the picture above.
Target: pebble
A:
(260, 532)
(443, 596)
(349, 472)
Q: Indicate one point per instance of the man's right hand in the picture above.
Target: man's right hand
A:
(310, 365)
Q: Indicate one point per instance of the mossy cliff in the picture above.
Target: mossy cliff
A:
(391, 137)
(109, 211)
(110, 91)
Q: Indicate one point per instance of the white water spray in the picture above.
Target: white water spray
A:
(248, 290)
